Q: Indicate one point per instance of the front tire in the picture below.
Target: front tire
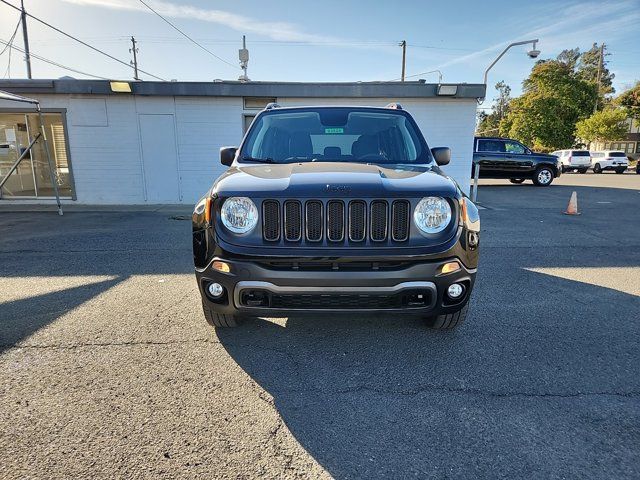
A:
(597, 168)
(448, 321)
(583, 170)
(219, 320)
(620, 170)
(543, 177)
(516, 180)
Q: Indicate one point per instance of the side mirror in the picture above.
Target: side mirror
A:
(227, 154)
(442, 155)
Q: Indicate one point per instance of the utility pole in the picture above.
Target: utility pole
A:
(134, 62)
(243, 56)
(403, 44)
(25, 35)
(600, 66)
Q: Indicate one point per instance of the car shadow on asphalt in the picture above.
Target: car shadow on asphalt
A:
(22, 317)
(528, 386)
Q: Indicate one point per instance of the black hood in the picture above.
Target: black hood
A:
(334, 179)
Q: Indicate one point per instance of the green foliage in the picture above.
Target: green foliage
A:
(604, 126)
(569, 57)
(555, 98)
(587, 69)
(630, 99)
(489, 124)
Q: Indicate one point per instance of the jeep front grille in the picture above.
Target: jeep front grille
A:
(336, 221)
(292, 220)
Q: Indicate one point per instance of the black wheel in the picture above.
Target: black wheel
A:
(583, 170)
(562, 169)
(448, 321)
(543, 177)
(219, 320)
(597, 168)
(620, 170)
(516, 180)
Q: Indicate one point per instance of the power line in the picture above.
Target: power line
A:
(431, 47)
(46, 60)
(187, 36)
(13, 35)
(82, 42)
(9, 46)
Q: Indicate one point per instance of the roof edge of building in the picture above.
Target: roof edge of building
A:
(245, 89)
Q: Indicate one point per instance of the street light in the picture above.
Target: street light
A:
(533, 53)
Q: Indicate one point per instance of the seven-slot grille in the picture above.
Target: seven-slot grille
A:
(336, 220)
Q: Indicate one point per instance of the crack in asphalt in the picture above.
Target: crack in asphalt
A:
(477, 391)
(424, 388)
(13, 346)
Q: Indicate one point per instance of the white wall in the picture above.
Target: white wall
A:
(104, 138)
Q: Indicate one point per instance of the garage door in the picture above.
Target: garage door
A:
(159, 158)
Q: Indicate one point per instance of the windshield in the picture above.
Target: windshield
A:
(580, 153)
(334, 135)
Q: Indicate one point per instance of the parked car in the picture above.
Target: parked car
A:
(610, 160)
(574, 160)
(335, 209)
(507, 158)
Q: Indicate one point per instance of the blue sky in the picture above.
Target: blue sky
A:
(326, 40)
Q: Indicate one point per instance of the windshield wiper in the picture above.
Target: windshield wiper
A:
(257, 160)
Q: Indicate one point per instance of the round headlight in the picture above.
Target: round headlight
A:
(432, 214)
(239, 214)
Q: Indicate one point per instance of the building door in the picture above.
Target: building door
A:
(159, 158)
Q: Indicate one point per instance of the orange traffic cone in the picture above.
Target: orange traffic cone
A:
(572, 208)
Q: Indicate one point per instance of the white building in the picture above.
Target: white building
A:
(158, 144)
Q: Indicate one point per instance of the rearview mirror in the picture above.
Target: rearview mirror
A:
(227, 154)
(442, 155)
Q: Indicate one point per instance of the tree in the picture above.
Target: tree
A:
(554, 99)
(489, 124)
(630, 99)
(603, 126)
(587, 69)
(569, 57)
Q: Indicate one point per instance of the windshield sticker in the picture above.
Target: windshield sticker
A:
(334, 130)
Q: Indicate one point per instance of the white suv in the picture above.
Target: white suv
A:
(609, 160)
(579, 160)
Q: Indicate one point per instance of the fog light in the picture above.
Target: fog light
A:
(221, 266)
(455, 290)
(216, 290)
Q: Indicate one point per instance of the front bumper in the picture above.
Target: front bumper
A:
(253, 288)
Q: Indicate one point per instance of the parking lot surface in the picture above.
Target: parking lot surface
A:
(107, 368)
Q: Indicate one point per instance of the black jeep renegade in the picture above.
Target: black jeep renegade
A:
(335, 209)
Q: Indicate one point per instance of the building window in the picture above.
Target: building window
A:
(638, 147)
(32, 178)
(246, 122)
(630, 146)
(257, 103)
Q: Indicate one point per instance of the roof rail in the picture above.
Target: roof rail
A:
(394, 105)
(271, 106)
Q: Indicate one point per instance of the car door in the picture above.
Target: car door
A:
(490, 157)
(518, 158)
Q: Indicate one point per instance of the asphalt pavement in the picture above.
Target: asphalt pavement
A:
(108, 369)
